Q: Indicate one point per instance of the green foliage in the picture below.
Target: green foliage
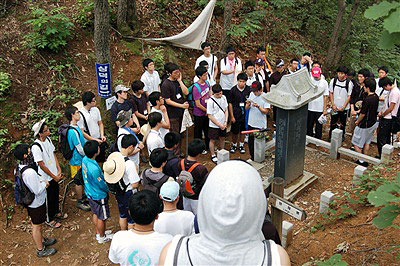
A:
(335, 260)
(85, 13)
(295, 47)
(388, 196)
(3, 137)
(250, 23)
(157, 55)
(390, 13)
(5, 84)
(50, 29)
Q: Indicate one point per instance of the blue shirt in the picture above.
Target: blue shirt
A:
(95, 186)
(75, 139)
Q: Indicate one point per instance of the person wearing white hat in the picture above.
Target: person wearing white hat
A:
(118, 169)
(173, 221)
(43, 152)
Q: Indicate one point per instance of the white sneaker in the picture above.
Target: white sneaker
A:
(107, 232)
(204, 152)
(105, 238)
(246, 139)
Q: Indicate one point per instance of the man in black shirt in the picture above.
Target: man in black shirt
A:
(366, 122)
(276, 77)
(237, 101)
(358, 94)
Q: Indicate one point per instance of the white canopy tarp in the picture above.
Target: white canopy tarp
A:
(194, 35)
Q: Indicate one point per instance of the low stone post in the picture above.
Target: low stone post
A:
(387, 152)
(287, 233)
(222, 156)
(325, 200)
(259, 149)
(336, 143)
(358, 172)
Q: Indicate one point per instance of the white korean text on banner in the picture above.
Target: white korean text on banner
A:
(103, 72)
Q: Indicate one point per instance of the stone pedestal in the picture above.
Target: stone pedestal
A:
(291, 127)
(358, 172)
(325, 200)
(259, 149)
(336, 143)
(387, 153)
(222, 156)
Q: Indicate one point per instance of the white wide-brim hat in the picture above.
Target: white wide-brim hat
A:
(114, 168)
(36, 127)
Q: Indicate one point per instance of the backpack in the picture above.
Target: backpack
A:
(153, 185)
(23, 195)
(86, 129)
(63, 144)
(346, 86)
(118, 188)
(190, 95)
(236, 60)
(186, 180)
(114, 146)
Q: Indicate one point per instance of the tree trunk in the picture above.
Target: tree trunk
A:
(226, 39)
(132, 18)
(335, 34)
(102, 31)
(126, 16)
(346, 31)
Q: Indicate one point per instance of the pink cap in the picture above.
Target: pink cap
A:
(316, 72)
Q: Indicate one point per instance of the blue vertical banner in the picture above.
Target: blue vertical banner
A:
(103, 72)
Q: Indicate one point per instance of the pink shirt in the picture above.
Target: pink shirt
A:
(203, 97)
(392, 97)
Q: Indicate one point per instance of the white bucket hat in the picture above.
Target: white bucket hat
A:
(36, 127)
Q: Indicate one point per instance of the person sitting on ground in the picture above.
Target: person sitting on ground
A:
(173, 221)
(231, 66)
(141, 244)
(259, 109)
(294, 64)
(171, 141)
(217, 111)
(96, 190)
(117, 167)
(154, 139)
(150, 77)
(201, 94)
(230, 223)
(317, 107)
(76, 141)
(237, 100)
(212, 62)
(43, 152)
(37, 209)
(366, 121)
(157, 103)
(91, 123)
(199, 173)
(153, 178)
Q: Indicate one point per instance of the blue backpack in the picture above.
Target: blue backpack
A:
(190, 95)
(23, 195)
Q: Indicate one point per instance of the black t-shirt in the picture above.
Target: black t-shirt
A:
(140, 105)
(370, 109)
(171, 168)
(357, 94)
(172, 90)
(117, 107)
(238, 100)
(276, 77)
(199, 173)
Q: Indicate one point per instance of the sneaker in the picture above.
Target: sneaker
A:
(274, 125)
(204, 152)
(49, 241)
(233, 149)
(365, 164)
(214, 159)
(85, 199)
(107, 232)
(246, 139)
(242, 149)
(81, 204)
(105, 238)
(46, 252)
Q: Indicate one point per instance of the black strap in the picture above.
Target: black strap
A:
(158, 183)
(217, 104)
(38, 144)
(212, 64)
(267, 250)
(178, 247)
(187, 250)
(85, 123)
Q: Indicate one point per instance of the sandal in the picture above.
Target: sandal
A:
(61, 216)
(53, 224)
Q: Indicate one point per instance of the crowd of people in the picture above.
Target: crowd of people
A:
(161, 208)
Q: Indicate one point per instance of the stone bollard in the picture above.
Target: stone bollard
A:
(287, 233)
(259, 150)
(222, 156)
(336, 143)
(387, 152)
(358, 172)
(325, 200)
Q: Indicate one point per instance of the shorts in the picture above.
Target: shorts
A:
(238, 127)
(38, 215)
(362, 136)
(123, 205)
(215, 133)
(100, 208)
(74, 170)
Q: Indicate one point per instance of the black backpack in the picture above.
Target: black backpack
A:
(153, 185)
(346, 85)
(23, 195)
(114, 146)
(63, 145)
(118, 188)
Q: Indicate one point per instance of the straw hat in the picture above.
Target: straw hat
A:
(114, 168)
(123, 117)
(145, 129)
(36, 127)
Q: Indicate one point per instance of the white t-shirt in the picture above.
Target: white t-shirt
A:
(175, 223)
(151, 81)
(135, 158)
(317, 105)
(33, 182)
(130, 175)
(339, 93)
(130, 248)
(211, 66)
(154, 141)
(392, 97)
(214, 110)
(250, 80)
(382, 93)
(93, 118)
(228, 81)
(47, 156)
(256, 118)
(163, 131)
